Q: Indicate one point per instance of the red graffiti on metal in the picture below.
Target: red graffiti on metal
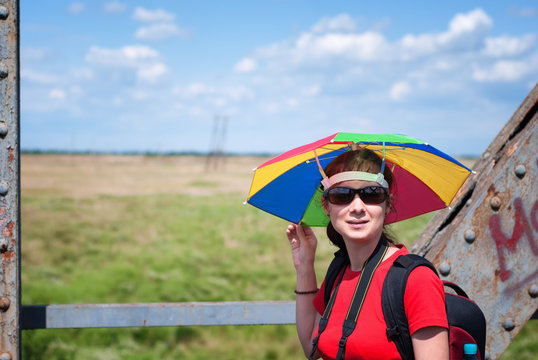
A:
(522, 228)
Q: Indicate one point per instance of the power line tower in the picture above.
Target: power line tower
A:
(216, 156)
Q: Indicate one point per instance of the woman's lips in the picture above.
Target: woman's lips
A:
(357, 223)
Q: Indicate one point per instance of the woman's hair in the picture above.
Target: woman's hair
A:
(356, 160)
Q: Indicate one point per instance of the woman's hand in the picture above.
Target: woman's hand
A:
(303, 245)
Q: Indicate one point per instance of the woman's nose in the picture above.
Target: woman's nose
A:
(356, 204)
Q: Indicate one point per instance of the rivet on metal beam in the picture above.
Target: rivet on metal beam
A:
(508, 324)
(444, 269)
(4, 13)
(3, 129)
(495, 203)
(3, 188)
(533, 291)
(3, 72)
(520, 171)
(4, 303)
(469, 236)
(5, 356)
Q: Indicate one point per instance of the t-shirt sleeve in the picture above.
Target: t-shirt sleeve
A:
(424, 300)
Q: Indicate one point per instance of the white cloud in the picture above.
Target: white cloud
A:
(342, 22)
(461, 53)
(509, 45)
(114, 7)
(152, 72)
(367, 46)
(144, 60)
(159, 31)
(76, 7)
(470, 22)
(466, 31)
(159, 15)
(245, 65)
(161, 25)
(400, 90)
(127, 56)
(332, 39)
(502, 71)
(57, 94)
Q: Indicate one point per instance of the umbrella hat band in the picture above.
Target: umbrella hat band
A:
(354, 175)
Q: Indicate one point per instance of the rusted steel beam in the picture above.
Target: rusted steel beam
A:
(9, 181)
(487, 242)
(158, 314)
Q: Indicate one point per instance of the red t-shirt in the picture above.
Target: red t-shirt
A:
(424, 305)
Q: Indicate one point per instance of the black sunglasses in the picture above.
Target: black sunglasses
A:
(369, 195)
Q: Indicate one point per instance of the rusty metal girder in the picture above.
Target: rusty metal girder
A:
(487, 241)
(9, 182)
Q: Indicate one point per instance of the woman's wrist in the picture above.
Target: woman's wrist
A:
(305, 270)
(306, 280)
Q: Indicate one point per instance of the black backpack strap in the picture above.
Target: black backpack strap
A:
(392, 301)
(339, 262)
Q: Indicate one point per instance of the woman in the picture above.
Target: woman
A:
(356, 225)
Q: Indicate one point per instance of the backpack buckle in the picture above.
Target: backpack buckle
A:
(393, 332)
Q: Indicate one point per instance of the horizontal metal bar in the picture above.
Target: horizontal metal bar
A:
(157, 314)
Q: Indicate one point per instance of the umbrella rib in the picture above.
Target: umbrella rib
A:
(342, 150)
(321, 158)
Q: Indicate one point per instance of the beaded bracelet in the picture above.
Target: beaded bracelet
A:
(305, 292)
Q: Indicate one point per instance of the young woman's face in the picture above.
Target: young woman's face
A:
(357, 221)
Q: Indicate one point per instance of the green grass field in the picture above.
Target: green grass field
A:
(118, 230)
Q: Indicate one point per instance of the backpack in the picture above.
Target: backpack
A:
(466, 321)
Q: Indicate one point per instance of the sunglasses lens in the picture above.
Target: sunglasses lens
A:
(373, 194)
(340, 196)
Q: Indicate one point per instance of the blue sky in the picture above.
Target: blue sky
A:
(154, 75)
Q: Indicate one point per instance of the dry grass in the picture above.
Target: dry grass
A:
(81, 176)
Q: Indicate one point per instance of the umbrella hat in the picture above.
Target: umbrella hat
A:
(425, 179)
